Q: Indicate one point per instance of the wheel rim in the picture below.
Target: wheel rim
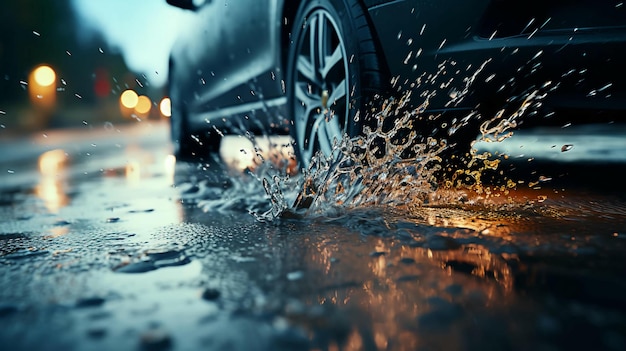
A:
(320, 86)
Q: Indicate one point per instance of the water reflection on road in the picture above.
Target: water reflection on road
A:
(158, 255)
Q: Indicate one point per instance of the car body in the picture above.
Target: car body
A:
(238, 66)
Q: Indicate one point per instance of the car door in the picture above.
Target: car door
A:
(229, 55)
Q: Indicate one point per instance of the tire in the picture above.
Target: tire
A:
(332, 73)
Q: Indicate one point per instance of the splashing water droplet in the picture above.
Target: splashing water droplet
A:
(392, 163)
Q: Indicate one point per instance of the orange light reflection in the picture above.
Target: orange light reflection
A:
(240, 154)
(52, 166)
(393, 284)
(170, 168)
(133, 171)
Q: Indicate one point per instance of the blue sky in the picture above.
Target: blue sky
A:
(142, 30)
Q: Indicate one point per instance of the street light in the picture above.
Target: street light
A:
(42, 87)
(143, 107)
(166, 107)
(128, 102)
(44, 76)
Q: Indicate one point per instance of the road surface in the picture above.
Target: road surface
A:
(107, 243)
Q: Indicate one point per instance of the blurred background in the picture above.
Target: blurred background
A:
(71, 63)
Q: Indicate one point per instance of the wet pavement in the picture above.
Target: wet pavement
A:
(106, 243)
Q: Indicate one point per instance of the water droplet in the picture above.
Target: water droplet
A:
(25, 253)
(442, 44)
(152, 260)
(210, 294)
(155, 339)
(297, 275)
(90, 302)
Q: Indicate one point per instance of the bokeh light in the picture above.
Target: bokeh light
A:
(166, 107)
(44, 75)
(129, 99)
(42, 93)
(143, 105)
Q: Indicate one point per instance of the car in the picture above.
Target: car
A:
(322, 69)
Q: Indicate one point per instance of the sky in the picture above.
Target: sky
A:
(142, 30)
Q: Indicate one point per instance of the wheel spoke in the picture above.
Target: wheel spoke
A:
(321, 39)
(305, 115)
(305, 68)
(323, 137)
(306, 100)
(339, 92)
(312, 40)
(333, 129)
(331, 61)
(308, 133)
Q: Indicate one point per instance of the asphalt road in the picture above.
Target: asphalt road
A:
(107, 243)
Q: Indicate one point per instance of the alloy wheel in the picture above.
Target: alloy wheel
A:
(321, 86)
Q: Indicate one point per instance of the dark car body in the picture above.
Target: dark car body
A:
(228, 67)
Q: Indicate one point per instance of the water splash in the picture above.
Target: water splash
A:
(369, 169)
(262, 186)
(391, 164)
(373, 169)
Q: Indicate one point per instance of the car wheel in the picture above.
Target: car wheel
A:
(332, 72)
